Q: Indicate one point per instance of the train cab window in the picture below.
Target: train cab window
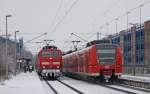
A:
(106, 54)
(54, 54)
(50, 54)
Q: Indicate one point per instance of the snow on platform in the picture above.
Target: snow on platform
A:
(24, 83)
(136, 78)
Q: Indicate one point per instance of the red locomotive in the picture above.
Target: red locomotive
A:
(49, 62)
(100, 60)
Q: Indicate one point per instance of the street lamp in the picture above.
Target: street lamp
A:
(127, 19)
(117, 24)
(79, 37)
(141, 14)
(15, 52)
(7, 16)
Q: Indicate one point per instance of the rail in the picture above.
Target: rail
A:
(53, 89)
(114, 88)
(139, 85)
(74, 89)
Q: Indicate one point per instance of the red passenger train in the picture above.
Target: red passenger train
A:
(100, 60)
(49, 62)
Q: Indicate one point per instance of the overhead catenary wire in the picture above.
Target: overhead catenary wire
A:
(35, 38)
(63, 18)
(112, 6)
(57, 12)
(107, 10)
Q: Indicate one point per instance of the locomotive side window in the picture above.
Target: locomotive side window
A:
(50, 54)
(106, 54)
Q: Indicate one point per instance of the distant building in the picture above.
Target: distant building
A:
(135, 48)
(11, 44)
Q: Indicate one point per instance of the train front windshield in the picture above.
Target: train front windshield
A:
(106, 53)
(53, 54)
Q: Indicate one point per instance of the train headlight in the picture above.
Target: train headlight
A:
(56, 63)
(44, 71)
(57, 66)
(43, 67)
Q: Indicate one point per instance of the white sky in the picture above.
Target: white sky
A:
(86, 16)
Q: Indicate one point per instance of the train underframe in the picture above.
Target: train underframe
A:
(50, 73)
(98, 77)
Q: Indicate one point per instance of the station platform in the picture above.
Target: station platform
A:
(23, 83)
(136, 78)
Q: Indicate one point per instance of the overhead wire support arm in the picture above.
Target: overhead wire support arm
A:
(98, 35)
(79, 37)
(30, 33)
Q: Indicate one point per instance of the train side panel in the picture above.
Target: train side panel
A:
(95, 61)
(92, 63)
(119, 63)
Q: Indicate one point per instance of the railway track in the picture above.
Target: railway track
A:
(128, 84)
(56, 91)
(53, 89)
(79, 92)
(106, 85)
(138, 85)
(131, 87)
(114, 88)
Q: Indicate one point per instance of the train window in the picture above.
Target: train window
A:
(50, 54)
(54, 54)
(45, 54)
(106, 53)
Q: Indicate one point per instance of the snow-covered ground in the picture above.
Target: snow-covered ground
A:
(88, 88)
(136, 78)
(29, 83)
(128, 89)
(24, 83)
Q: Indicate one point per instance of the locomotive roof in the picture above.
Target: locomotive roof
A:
(103, 41)
(49, 47)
